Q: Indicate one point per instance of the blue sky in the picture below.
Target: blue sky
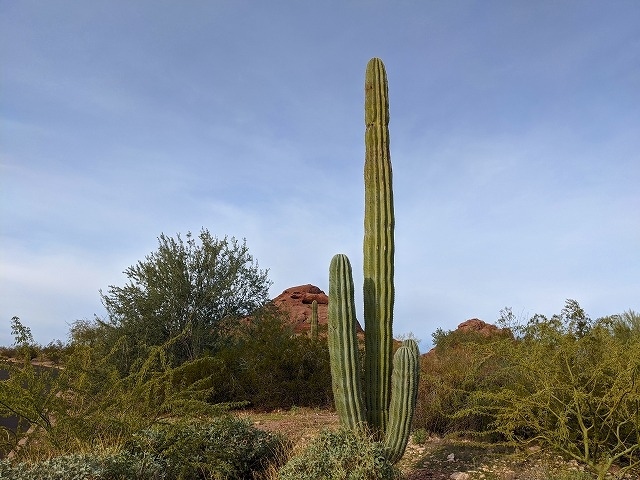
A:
(514, 140)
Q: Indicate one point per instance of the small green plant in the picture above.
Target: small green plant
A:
(339, 455)
(420, 436)
(115, 466)
(222, 448)
(313, 333)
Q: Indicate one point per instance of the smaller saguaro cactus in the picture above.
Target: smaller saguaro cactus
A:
(314, 320)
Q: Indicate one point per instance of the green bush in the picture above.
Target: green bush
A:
(193, 285)
(420, 436)
(223, 448)
(55, 351)
(341, 455)
(267, 365)
(120, 466)
(567, 382)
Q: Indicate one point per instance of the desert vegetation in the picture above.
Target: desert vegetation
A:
(563, 386)
(154, 389)
(146, 388)
(566, 383)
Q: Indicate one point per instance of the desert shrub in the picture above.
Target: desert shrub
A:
(89, 403)
(266, 364)
(117, 466)
(566, 382)
(55, 351)
(340, 455)
(457, 367)
(220, 448)
(579, 395)
(223, 448)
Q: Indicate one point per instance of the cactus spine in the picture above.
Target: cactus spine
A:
(388, 400)
(314, 320)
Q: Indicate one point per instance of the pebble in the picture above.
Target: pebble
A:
(459, 476)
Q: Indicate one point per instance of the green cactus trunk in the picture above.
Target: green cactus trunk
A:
(388, 418)
(378, 246)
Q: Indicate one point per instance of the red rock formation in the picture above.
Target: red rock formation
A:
(483, 328)
(295, 302)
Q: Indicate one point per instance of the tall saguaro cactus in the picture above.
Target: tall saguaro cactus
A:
(378, 245)
(387, 401)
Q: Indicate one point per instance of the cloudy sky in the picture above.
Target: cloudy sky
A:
(515, 130)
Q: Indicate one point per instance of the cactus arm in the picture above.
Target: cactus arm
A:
(378, 247)
(404, 391)
(343, 344)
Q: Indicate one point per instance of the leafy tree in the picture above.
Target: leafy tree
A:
(578, 322)
(191, 288)
(21, 333)
(23, 339)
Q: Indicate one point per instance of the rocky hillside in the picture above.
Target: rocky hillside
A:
(295, 302)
